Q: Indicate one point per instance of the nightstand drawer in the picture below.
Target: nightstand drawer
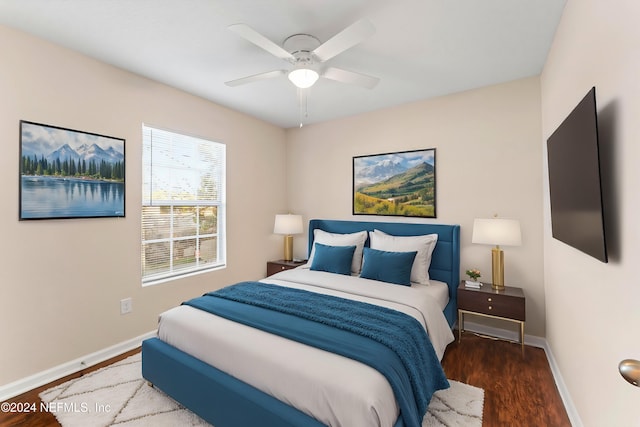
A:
(274, 267)
(493, 304)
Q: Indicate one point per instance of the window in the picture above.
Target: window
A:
(183, 205)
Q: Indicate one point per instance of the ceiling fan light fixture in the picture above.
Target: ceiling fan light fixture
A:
(303, 77)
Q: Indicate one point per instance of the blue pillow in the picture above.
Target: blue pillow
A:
(334, 259)
(390, 267)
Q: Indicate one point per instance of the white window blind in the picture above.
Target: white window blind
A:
(183, 205)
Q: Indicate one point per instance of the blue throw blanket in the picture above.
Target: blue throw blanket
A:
(390, 341)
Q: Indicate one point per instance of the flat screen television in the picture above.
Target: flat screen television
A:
(577, 213)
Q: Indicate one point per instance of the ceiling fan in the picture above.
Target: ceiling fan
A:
(306, 54)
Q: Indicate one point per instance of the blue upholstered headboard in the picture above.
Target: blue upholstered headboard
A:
(445, 261)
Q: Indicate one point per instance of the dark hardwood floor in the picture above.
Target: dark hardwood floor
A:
(518, 391)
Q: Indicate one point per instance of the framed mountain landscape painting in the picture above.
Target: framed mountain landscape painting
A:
(66, 173)
(395, 184)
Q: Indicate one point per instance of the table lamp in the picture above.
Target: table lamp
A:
(497, 231)
(288, 225)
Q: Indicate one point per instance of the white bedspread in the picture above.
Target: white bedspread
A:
(344, 393)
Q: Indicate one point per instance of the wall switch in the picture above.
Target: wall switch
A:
(126, 306)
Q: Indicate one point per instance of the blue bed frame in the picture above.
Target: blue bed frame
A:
(224, 401)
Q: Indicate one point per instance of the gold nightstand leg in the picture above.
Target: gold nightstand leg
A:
(522, 337)
(460, 325)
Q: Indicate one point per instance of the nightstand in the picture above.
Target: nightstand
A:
(508, 304)
(274, 267)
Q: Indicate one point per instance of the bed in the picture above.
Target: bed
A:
(247, 377)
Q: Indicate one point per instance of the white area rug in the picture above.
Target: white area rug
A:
(118, 396)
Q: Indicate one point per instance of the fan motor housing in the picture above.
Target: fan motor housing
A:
(301, 47)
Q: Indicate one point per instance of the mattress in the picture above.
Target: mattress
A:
(337, 391)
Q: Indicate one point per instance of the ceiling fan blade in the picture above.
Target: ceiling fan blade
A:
(255, 78)
(349, 37)
(350, 77)
(251, 35)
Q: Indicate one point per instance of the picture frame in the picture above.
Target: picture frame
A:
(67, 173)
(395, 184)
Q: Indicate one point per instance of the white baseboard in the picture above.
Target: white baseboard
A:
(15, 388)
(574, 418)
(539, 342)
(504, 334)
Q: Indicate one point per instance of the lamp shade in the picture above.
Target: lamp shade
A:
(303, 77)
(288, 224)
(497, 231)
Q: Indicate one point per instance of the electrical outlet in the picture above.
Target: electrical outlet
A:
(126, 306)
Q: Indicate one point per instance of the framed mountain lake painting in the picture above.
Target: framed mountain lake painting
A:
(395, 184)
(66, 173)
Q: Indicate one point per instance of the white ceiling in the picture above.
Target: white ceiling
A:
(421, 48)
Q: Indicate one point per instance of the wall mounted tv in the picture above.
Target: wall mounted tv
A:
(577, 214)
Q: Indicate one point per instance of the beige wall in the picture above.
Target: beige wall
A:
(488, 158)
(593, 308)
(61, 281)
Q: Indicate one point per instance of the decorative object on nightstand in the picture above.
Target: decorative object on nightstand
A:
(277, 266)
(288, 225)
(497, 231)
(474, 274)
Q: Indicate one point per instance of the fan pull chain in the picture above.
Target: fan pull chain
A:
(303, 103)
(300, 106)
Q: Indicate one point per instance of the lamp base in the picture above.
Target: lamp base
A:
(497, 269)
(288, 248)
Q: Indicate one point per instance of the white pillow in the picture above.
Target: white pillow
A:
(333, 239)
(424, 245)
